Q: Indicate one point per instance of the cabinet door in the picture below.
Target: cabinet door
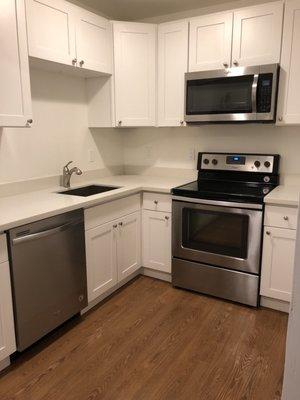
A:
(101, 255)
(257, 35)
(172, 65)
(129, 245)
(51, 30)
(93, 42)
(210, 42)
(135, 73)
(278, 263)
(157, 240)
(15, 97)
(7, 330)
(289, 88)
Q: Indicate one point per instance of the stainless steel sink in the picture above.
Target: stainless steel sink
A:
(89, 190)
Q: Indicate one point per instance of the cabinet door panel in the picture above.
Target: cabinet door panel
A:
(210, 42)
(278, 263)
(129, 245)
(15, 96)
(7, 330)
(289, 99)
(172, 65)
(135, 73)
(51, 30)
(257, 35)
(93, 42)
(101, 259)
(157, 240)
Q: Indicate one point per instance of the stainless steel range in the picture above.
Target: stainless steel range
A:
(217, 225)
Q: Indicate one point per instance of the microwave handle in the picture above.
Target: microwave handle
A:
(254, 92)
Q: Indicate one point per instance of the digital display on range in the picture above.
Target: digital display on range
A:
(236, 160)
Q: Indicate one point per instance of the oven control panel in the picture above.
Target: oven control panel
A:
(239, 162)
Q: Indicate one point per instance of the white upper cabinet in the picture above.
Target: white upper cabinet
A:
(210, 42)
(15, 96)
(61, 32)
(257, 35)
(51, 30)
(135, 73)
(289, 88)
(93, 42)
(172, 65)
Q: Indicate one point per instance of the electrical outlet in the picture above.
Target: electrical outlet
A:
(91, 156)
(149, 152)
(191, 154)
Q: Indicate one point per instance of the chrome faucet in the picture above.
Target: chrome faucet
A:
(67, 173)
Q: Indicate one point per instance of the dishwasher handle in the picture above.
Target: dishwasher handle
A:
(41, 234)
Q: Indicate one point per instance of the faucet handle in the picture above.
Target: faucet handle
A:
(66, 167)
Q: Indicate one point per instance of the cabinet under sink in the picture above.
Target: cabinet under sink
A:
(90, 190)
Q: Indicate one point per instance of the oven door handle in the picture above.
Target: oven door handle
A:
(252, 206)
(254, 93)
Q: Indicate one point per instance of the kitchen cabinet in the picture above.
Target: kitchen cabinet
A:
(172, 65)
(257, 34)
(63, 33)
(289, 87)
(210, 42)
(278, 263)
(7, 330)
(135, 74)
(101, 255)
(157, 240)
(15, 96)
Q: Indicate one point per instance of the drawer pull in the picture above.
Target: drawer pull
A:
(268, 233)
(286, 218)
(115, 226)
(155, 202)
(167, 218)
(120, 223)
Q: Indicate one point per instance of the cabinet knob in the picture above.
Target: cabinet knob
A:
(120, 223)
(268, 233)
(81, 63)
(74, 61)
(181, 123)
(29, 121)
(235, 63)
(155, 202)
(286, 218)
(119, 123)
(225, 65)
(167, 218)
(115, 226)
(280, 119)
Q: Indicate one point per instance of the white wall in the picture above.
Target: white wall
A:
(60, 133)
(173, 147)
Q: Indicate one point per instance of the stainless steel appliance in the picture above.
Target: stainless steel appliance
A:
(239, 94)
(48, 271)
(217, 225)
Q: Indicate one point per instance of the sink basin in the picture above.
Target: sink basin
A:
(89, 190)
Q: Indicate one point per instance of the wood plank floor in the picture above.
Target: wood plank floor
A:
(151, 341)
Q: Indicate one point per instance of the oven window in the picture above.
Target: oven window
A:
(215, 232)
(219, 95)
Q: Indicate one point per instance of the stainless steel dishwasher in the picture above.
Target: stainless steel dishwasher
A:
(48, 269)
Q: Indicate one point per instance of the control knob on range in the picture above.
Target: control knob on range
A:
(206, 161)
(267, 164)
(257, 164)
(266, 190)
(214, 161)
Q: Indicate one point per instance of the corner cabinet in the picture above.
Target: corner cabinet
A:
(289, 87)
(15, 95)
(172, 64)
(135, 74)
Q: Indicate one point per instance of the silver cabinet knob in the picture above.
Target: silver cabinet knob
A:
(29, 121)
(74, 61)
(268, 233)
(119, 123)
(167, 218)
(225, 65)
(155, 202)
(81, 63)
(120, 223)
(181, 123)
(286, 218)
(115, 226)
(235, 63)
(280, 119)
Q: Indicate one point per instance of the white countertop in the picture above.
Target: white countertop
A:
(285, 195)
(29, 207)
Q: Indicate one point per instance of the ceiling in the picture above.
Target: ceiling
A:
(140, 9)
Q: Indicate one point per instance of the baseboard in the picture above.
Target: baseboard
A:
(4, 363)
(163, 276)
(275, 304)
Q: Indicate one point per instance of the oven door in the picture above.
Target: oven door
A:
(222, 236)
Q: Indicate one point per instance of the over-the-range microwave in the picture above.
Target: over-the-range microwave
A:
(239, 94)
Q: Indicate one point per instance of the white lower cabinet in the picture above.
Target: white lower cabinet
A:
(157, 240)
(7, 329)
(278, 263)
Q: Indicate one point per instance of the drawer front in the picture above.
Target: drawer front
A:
(157, 202)
(281, 217)
(3, 249)
(107, 212)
